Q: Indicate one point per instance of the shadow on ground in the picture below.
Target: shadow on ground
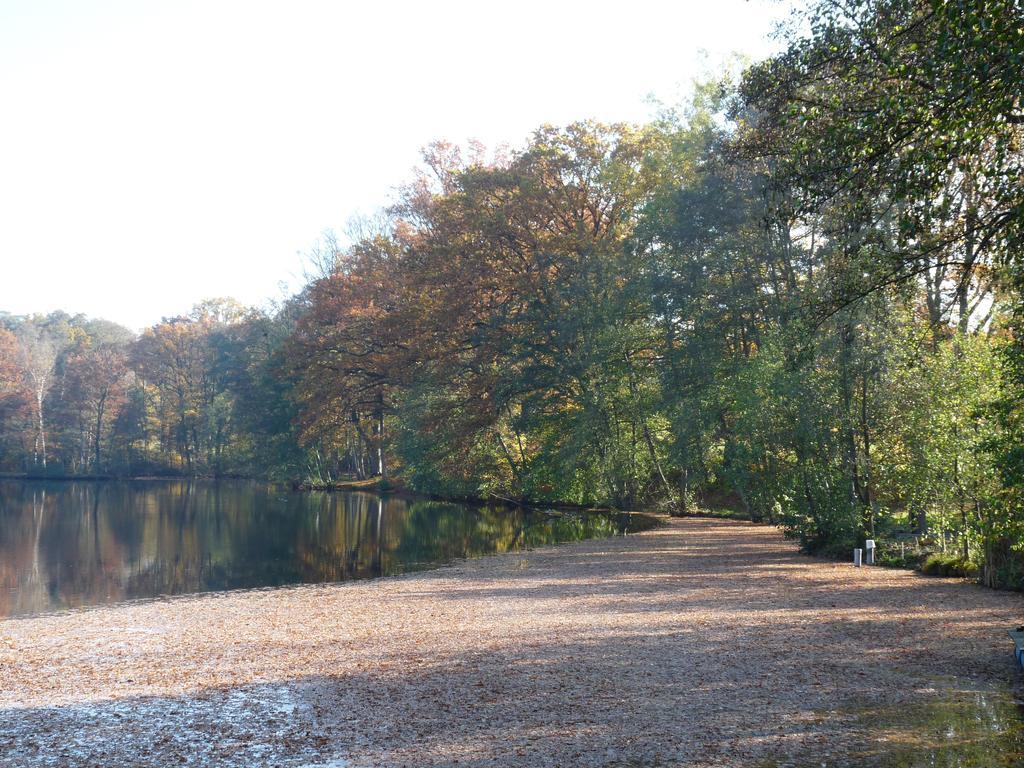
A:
(692, 647)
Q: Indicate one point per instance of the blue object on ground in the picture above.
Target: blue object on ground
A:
(1017, 635)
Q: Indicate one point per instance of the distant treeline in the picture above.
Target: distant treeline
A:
(193, 395)
(801, 292)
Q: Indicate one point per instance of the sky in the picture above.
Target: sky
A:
(155, 154)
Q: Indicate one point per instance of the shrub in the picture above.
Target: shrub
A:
(940, 564)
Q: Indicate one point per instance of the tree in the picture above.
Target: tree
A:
(908, 112)
(494, 309)
(172, 357)
(97, 379)
(878, 139)
(39, 347)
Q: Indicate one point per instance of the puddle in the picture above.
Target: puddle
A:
(970, 729)
(973, 729)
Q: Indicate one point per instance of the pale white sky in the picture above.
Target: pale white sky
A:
(153, 154)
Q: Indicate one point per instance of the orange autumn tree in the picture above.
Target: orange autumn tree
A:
(96, 380)
(492, 319)
(351, 350)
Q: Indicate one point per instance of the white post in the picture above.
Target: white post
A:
(869, 554)
(856, 557)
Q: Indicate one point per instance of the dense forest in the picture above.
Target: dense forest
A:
(800, 294)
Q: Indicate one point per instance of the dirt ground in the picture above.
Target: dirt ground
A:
(703, 643)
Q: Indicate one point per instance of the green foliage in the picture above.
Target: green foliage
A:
(803, 292)
(949, 565)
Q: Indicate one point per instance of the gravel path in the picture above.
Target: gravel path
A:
(704, 643)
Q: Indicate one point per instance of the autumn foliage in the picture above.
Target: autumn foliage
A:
(798, 297)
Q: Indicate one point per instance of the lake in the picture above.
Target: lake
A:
(72, 544)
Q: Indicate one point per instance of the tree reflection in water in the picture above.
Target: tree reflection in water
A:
(65, 545)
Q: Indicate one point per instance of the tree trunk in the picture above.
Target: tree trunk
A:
(381, 466)
(99, 427)
(42, 430)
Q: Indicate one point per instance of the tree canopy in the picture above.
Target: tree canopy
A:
(797, 297)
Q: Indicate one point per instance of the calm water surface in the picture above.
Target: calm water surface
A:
(65, 545)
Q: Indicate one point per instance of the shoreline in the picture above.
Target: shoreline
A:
(397, 489)
(702, 641)
(372, 485)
